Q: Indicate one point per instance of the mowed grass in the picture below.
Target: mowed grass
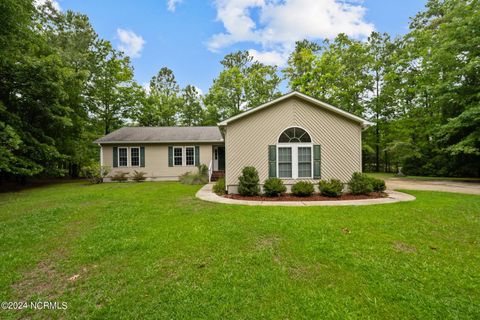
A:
(153, 251)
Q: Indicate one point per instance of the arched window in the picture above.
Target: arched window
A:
(293, 135)
(294, 154)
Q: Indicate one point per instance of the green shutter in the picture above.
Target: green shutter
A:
(317, 156)
(115, 157)
(170, 156)
(197, 155)
(142, 156)
(272, 161)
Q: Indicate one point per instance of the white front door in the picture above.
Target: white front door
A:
(215, 158)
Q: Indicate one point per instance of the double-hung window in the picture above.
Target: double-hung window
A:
(134, 156)
(122, 157)
(177, 156)
(189, 156)
(294, 154)
(304, 162)
(284, 162)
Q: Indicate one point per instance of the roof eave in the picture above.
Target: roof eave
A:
(180, 141)
(327, 106)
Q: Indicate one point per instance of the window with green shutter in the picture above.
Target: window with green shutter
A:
(317, 159)
(272, 161)
(142, 156)
(170, 156)
(115, 157)
(197, 155)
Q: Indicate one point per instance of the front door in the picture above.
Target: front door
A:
(221, 158)
(218, 158)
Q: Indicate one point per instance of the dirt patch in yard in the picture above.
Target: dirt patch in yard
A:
(403, 247)
(315, 197)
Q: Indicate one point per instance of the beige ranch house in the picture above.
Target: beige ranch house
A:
(294, 137)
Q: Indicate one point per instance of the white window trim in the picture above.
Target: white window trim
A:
(118, 157)
(183, 157)
(294, 147)
(291, 127)
(130, 156)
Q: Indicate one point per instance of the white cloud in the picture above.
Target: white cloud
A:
(200, 91)
(55, 4)
(277, 24)
(146, 87)
(270, 57)
(172, 4)
(130, 43)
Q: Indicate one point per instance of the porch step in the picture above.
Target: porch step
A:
(217, 175)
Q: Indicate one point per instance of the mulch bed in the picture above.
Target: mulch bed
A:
(315, 197)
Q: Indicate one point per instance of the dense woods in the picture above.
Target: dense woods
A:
(61, 86)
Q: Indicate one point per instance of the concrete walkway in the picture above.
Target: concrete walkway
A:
(434, 185)
(206, 194)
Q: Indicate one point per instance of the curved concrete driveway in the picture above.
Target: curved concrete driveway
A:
(433, 185)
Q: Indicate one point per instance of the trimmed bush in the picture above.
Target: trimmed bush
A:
(219, 187)
(273, 187)
(248, 182)
(95, 173)
(378, 185)
(332, 188)
(360, 183)
(303, 189)
(120, 176)
(138, 176)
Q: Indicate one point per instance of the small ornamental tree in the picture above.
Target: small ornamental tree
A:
(248, 182)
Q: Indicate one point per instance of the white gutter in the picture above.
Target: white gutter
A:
(147, 142)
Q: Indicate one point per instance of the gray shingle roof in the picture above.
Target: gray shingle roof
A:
(163, 135)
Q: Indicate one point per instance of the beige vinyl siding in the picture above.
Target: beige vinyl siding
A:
(247, 139)
(156, 160)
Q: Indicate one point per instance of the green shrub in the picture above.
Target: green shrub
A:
(303, 189)
(360, 183)
(332, 188)
(120, 176)
(203, 170)
(378, 185)
(273, 187)
(95, 173)
(138, 176)
(193, 178)
(248, 182)
(219, 187)
(201, 177)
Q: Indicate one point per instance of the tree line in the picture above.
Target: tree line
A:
(61, 87)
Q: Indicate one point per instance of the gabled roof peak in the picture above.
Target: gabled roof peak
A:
(302, 96)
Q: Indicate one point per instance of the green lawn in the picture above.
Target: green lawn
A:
(382, 175)
(152, 250)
